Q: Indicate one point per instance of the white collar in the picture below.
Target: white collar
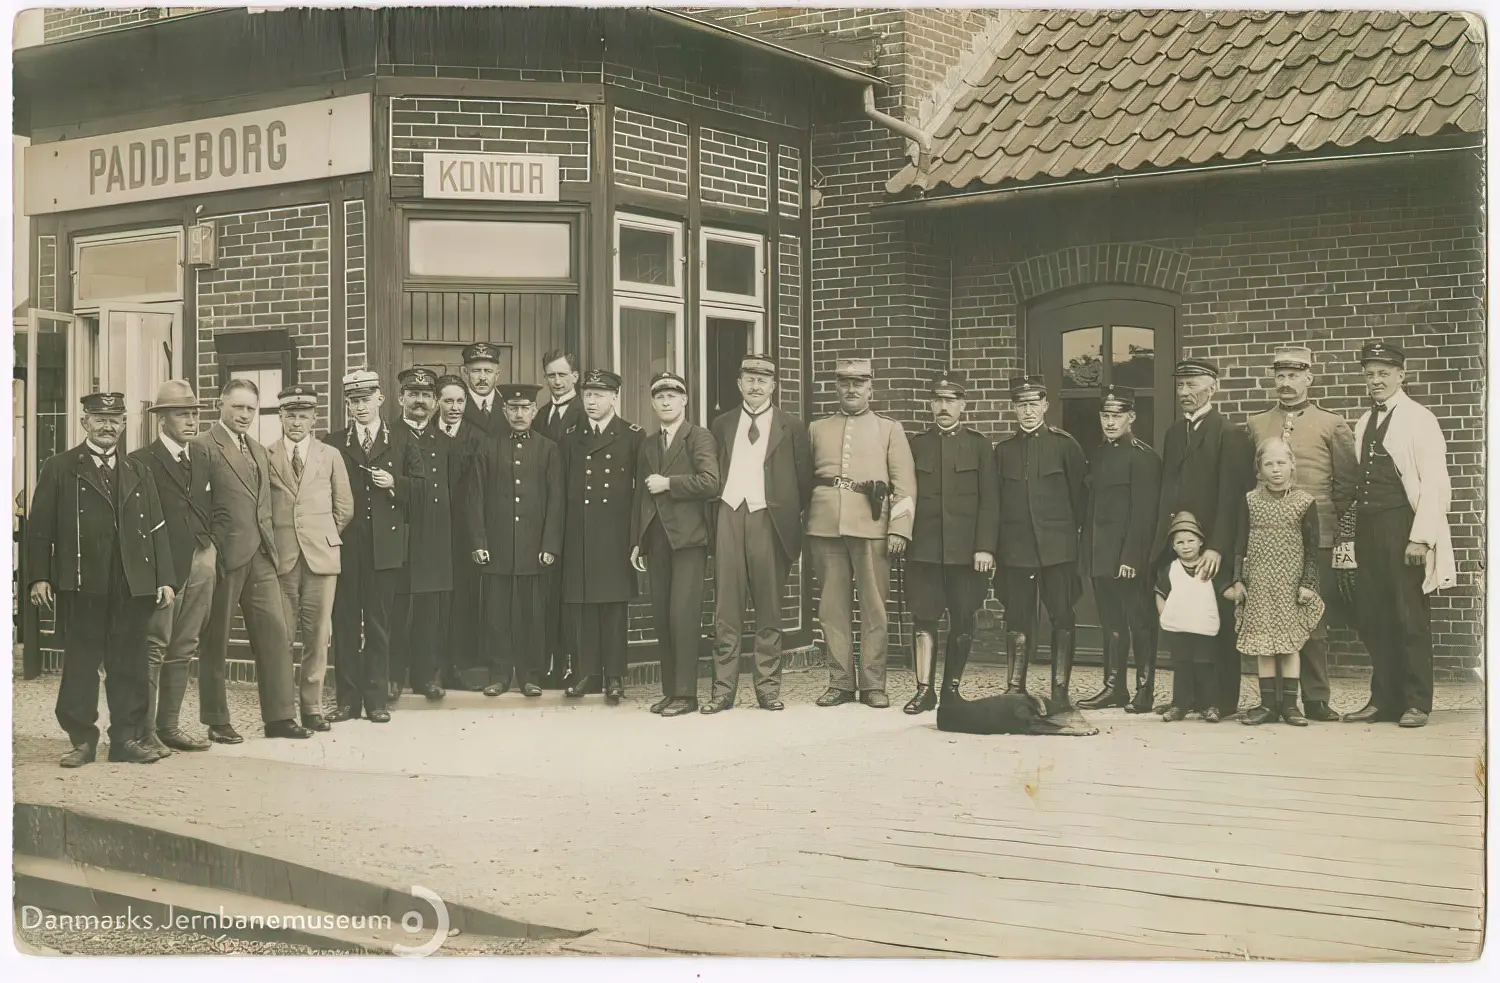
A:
(1396, 399)
(756, 414)
(671, 430)
(483, 402)
(453, 432)
(566, 399)
(373, 429)
(1200, 413)
(292, 445)
(236, 437)
(95, 449)
(172, 446)
(603, 424)
(415, 426)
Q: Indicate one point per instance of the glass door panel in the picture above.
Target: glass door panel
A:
(139, 351)
(648, 340)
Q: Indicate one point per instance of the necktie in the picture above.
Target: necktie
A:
(106, 467)
(297, 462)
(754, 432)
(666, 441)
(367, 441)
(249, 458)
(186, 466)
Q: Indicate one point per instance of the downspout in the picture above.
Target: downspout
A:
(899, 126)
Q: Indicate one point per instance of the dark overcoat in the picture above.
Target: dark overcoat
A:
(513, 503)
(957, 497)
(1206, 471)
(599, 477)
(1043, 496)
(1124, 489)
(379, 513)
(432, 469)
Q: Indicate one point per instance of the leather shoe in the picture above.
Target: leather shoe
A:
(719, 704)
(875, 699)
(581, 687)
(344, 713)
(152, 742)
(315, 721)
(289, 729)
(1211, 715)
(1320, 711)
(926, 699)
(393, 691)
(433, 691)
(1255, 716)
(834, 697)
(614, 690)
(225, 734)
(1370, 714)
(1173, 714)
(132, 752)
(379, 716)
(531, 689)
(496, 689)
(661, 704)
(179, 740)
(770, 703)
(678, 707)
(1413, 718)
(82, 754)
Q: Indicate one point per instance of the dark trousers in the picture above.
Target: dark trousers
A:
(601, 637)
(1315, 685)
(419, 645)
(515, 610)
(1195, 671)
(1057, 588)
(932, 588)
(364, 599)
(561, 632)
(676, 579)
(1395, 617)
(1125, 610)
(106, 630)
(749, 565)
(1228, 667)
(466, 624)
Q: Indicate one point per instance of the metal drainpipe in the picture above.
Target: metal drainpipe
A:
(895, 125)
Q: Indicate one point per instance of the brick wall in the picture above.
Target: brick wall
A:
(356, 353)
(273, 273)
(46, 273)
(59, 24)
(491, 126)
(733, 169)
(650, 152)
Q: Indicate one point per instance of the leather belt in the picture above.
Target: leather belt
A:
(848, 484)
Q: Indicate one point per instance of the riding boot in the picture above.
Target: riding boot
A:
(1113, 693)
(1017, 650)
(1062, 665)
(955, 660)
(924, 655)
(1143, 640)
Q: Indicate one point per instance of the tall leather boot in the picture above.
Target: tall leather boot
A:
(1017, 650)
(924, 655)
(1062, 665)
(1143, 640)
(955, 660)
(1113, 693)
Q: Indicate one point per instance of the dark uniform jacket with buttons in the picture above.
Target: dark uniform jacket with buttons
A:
(513, 503)
(186, 502)
(1124, 487)
(957, 497)
(241, 513)
(467, 444)
(76, 528)
(599, 475)
(1042, 497)
(379, 513)
(691, 468)
(432, 468)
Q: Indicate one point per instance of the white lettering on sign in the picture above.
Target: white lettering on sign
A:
(301, 142)
(490, 177)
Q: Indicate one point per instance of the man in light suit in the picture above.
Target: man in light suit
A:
(677, 475)
(240, 480)
(1402, 543)
(861, 516)
(767, 470)
(311, 503)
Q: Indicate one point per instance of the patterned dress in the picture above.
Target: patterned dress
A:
(1278, 556)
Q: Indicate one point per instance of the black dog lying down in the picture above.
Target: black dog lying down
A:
(1010, 713)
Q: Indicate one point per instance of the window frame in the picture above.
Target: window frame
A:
(757, 342)
(757, 240)
(649, 223)
(84, 306)
(422, 211)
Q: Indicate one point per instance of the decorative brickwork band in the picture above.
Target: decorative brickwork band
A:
(1134, 263)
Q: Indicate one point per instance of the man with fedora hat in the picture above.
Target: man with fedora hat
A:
(172, 634)
(1402, 544)
(98, 551)
(952, 553)
(513, 507)
(311, 503)
(860, 516)
(1208, 464)
(676, 476)
(1328, 470)
(482, 372)
(1041, 474)
(766, 464)
(1124, 485)
(599, 460)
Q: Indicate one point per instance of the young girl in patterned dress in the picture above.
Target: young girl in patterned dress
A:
(1276, 581)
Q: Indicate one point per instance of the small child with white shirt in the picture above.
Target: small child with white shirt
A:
(1189, 610)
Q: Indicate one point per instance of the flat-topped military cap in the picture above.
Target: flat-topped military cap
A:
(104, 404)
(600, 379)
(518, 393)
(950, 383)
(481, 351)
(444, 381)
(758, 365)
(417, 378)
(1116, 399)
(854, 368)
(1028, 388)
(1292, 357)
(298, 397)
(1381, 351)
(667, 380)
(361, 381)
(1195, 366)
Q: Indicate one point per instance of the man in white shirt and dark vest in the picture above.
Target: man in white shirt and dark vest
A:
(1402, 543)
(766, 464)
(860, 517)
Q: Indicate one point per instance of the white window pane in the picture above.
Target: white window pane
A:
(490, 250)
(130, 269)
(731, 267)
(647, 256)
(648, 344)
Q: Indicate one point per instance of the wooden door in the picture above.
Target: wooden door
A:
(438, 324)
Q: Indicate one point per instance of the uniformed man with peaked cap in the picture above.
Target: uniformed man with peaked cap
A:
(599, 461)
(1124, 485)
(514, 520)
(1041, 472)
(97, 548)
(952, 553)
(482, 372)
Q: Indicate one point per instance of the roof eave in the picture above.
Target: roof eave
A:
(824, 65)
